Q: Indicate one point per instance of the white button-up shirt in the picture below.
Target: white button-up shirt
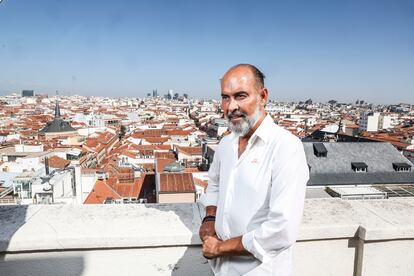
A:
(259, 196)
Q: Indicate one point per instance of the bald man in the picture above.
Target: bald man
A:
(257, 181)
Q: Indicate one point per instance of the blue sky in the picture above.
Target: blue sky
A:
(343, 50)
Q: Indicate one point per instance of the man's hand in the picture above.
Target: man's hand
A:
(211, 247)
(207, 230)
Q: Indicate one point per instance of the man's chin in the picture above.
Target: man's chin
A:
(236, 126)
(238, 130)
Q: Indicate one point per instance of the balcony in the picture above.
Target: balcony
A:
(337, 237)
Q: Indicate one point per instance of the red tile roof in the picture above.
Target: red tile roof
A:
(168, 155)
(148, 133)
(154, 147)
(176, 183)
(106, 137)
(178, 132)
(162, 147)
(156, 140)
(57, 162)
(200, 182)
(161, 163)
(129, 154)
(129, 189)
(190, 150)
(191, 170)
(352, 126)
(100, 192)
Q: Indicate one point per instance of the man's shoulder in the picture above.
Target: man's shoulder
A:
(284, 138)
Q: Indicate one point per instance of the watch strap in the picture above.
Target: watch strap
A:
(209, 218)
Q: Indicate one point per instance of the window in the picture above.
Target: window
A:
(401, 167)
(359, 166)
(320, 150)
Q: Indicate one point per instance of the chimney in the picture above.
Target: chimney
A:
(47, 165)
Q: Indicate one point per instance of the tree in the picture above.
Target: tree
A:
(122, 132)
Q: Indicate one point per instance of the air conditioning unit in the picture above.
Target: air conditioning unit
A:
(102, 175)
(142, 200)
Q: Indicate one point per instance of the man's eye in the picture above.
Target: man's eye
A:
(240, 97)
(224, 98)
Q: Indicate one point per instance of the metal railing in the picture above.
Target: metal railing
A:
(6, 192)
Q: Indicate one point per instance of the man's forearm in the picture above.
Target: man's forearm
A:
(232, 247)
(207, 226)
(211, 210)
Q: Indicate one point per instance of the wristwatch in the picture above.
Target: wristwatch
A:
(209, 218)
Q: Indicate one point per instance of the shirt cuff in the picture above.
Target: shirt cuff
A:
(251, 245)
(208, 199)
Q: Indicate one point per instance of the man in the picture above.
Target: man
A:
(257, 181)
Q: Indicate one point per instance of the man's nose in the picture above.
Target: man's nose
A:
(233, 105)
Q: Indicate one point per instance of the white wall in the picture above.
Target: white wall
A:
(372, 123)
(341, 238)
(28, 148)
(88, 182)
(386, 122)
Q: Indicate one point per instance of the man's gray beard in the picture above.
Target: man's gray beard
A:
(243, 128)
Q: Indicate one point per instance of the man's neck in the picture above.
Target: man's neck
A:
(249, 134)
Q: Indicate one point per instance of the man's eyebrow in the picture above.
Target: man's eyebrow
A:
(240, 92)
(223, 93)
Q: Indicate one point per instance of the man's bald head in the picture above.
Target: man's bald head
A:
(258, 76)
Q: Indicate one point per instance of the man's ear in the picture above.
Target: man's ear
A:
(264, 94)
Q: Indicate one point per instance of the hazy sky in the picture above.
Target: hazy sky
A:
(343, 50)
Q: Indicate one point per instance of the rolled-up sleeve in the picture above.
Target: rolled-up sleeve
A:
(210, 197)
(280, 230)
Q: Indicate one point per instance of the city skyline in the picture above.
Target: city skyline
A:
(319, 50)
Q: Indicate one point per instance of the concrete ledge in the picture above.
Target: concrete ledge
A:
(368, 220)
(68, 227)
(64, 227)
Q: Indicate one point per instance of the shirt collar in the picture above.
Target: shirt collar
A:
(262, 132)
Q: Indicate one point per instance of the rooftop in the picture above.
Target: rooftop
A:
(176, 183)
(336, 167)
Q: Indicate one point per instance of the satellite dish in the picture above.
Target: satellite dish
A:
(46, 187)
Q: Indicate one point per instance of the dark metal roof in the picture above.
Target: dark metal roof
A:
(336, 168)
(367, 178)
(57, 125)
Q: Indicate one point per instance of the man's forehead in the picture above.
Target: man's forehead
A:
(237, 78)
(234, 82)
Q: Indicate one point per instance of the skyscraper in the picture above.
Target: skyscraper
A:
(27, 93)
